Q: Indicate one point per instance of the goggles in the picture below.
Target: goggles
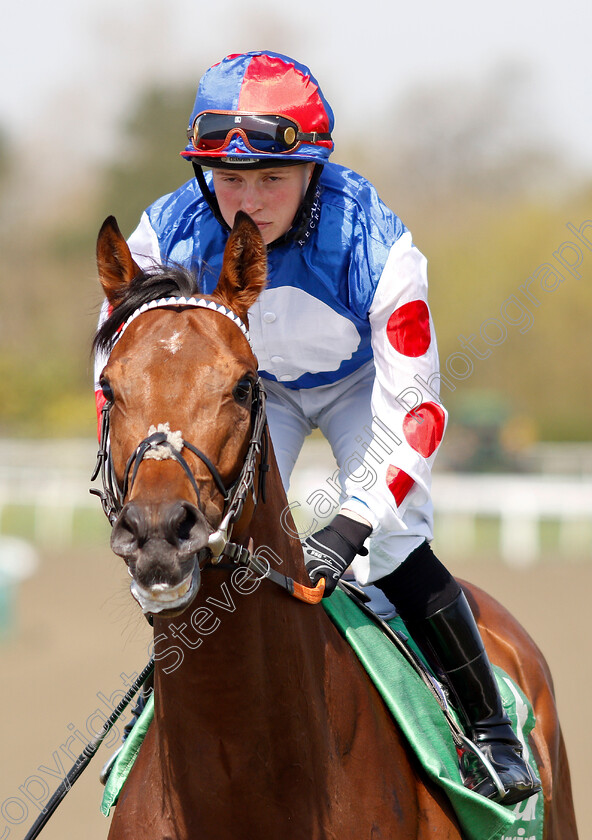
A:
(212, 131)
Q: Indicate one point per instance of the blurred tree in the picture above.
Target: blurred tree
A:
(6, 157)
(4, 154)
(45, 329)
(487, 278)
(453, 145)
(477, 138)
(149, 164)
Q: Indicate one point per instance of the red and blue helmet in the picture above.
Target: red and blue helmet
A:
(259, 107)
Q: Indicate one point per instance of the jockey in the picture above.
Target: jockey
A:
(345, 343)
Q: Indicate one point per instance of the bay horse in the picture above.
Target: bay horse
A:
(265, 724)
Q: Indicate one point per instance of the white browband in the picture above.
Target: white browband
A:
(198, 303)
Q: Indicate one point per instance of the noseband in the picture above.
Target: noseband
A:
(113, 496)
(153, 446)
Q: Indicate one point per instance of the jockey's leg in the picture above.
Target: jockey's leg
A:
(288, 426)
(439, 618)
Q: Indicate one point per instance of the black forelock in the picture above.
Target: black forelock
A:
(150, 284)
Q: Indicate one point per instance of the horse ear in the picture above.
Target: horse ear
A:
(244, 269)
(114, 261)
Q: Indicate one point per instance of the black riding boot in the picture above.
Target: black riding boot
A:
(450, 639)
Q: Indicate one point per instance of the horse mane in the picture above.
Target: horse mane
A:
(150, 284)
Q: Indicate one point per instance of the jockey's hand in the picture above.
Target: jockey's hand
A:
(330, 551)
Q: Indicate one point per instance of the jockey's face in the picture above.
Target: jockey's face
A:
(270, 196)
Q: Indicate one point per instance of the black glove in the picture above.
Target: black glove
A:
(330, 551)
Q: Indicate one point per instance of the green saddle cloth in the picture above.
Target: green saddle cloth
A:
(419, 716)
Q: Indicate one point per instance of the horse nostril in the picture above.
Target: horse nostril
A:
(129, 532)
(181, 520)
(171, 529)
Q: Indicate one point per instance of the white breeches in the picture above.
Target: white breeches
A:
(341, 411)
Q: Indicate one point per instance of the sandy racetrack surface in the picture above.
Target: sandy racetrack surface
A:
(77, 631)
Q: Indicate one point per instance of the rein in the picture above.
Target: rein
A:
(112, 496)
(87, 754)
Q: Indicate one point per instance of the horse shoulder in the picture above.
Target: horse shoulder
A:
(371, 760)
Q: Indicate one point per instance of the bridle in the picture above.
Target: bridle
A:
(112, 496)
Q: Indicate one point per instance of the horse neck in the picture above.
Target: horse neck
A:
(272, 529)
(244, 647)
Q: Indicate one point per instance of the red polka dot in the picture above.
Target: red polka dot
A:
(424, 428)
(399, 483)
(408, 328)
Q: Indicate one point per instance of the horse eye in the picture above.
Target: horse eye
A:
(107, 390)
(242, 390)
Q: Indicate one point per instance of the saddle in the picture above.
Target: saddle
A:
(419, 702)
(378, 614)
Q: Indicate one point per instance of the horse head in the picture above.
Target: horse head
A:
(180, 383)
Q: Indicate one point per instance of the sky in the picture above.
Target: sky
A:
(70, 68)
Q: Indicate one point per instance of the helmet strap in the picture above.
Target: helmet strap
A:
(209, 196)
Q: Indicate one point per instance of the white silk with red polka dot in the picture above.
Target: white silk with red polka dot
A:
(405, 355)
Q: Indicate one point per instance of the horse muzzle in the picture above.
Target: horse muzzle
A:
(161, 544)
(163, 597)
